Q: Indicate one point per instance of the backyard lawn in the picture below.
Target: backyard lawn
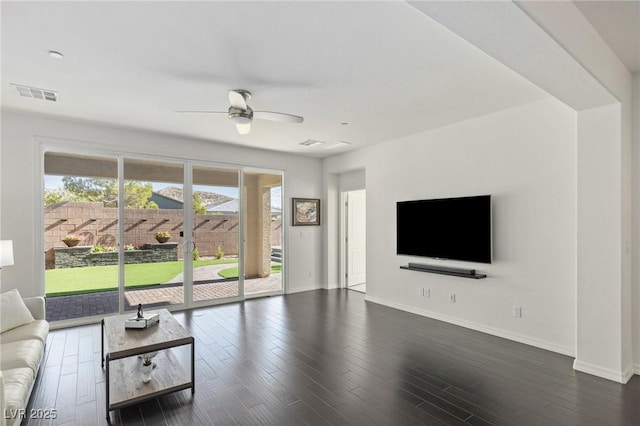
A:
(62, 282)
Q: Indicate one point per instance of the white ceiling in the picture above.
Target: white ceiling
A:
(383, 67)
(618, 23)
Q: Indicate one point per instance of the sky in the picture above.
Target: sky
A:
(55, 182)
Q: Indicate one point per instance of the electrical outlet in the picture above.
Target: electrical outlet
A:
(517, 311)
(421, 291)
(427, 293)
(453, 298)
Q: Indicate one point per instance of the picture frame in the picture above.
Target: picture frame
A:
(306, 212)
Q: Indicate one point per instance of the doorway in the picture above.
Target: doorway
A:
(355, 240)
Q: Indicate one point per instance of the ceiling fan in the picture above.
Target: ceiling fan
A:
(242, 114)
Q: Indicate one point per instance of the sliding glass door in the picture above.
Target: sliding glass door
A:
(263, 233)
(80, 235)
(216, 233)
(122, 231)
(153, 222)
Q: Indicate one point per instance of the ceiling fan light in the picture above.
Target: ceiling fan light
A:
(243, 129)
(240, 119)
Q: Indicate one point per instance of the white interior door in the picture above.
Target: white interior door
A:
(356, 237)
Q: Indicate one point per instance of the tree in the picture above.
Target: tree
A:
(53, 196)
(137, 194)
(198, 204)
(106, 191)
(89, 189)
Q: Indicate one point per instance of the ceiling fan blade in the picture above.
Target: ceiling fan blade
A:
(203, 112)
(278, 116)
(243, 129)
(238, 99)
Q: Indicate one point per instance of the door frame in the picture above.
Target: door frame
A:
(342, 240)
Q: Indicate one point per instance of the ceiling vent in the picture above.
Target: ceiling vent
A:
(311, 142)
(34, 92)
(339, 144)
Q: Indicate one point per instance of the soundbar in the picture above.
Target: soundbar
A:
(442, 268)
(445, 270)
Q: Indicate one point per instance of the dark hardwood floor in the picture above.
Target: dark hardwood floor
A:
(328, 357)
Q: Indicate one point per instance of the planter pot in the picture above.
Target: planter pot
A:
(162, 239)
(71, 243)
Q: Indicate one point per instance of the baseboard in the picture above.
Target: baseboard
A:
(606, 373)
(477, 327)
(636, 369)
(301, 289)
(629, 373)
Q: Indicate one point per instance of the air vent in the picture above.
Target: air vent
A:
(311, 142)
(34, 92)
(339, 144)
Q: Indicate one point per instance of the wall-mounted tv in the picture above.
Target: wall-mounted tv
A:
(445, 228)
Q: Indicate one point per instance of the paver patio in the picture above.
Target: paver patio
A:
(205, 288)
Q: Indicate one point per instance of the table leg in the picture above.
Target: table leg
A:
(193, 366)
(107, 386)
(102, 342)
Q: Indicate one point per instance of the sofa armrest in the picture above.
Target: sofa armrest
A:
(37, 306)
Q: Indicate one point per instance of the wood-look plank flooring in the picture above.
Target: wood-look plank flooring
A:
(330, 358)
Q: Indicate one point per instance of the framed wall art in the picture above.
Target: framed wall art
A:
(306, 211)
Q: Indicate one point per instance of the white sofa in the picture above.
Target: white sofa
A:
(21, 353)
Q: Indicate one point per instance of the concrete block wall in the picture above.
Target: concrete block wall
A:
(98, 225)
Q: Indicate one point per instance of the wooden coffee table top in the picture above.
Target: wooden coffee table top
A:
(123, 342)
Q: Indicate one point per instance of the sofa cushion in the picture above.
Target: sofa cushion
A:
(38, 329)
(17, 387)
(21, 354)
(13, 311)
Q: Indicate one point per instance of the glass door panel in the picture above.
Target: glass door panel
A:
(263, 233)
(153, 224)
(216, 233)
(80, 235)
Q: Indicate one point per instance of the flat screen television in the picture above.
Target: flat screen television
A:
(445, 228)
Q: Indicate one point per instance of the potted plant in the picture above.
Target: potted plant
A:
(71, 240)
(147, 368)
(162, 236)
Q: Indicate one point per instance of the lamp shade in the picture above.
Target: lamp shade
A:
(6, 253)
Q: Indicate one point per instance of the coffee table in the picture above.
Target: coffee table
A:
(123, 379)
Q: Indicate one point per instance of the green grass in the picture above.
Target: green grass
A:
(233, 272)
(63, 282)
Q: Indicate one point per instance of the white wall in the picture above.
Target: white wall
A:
(20, 186)
(582, 43)
(599, 319)
(352, 181)
(526, 159)
(554, 46)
